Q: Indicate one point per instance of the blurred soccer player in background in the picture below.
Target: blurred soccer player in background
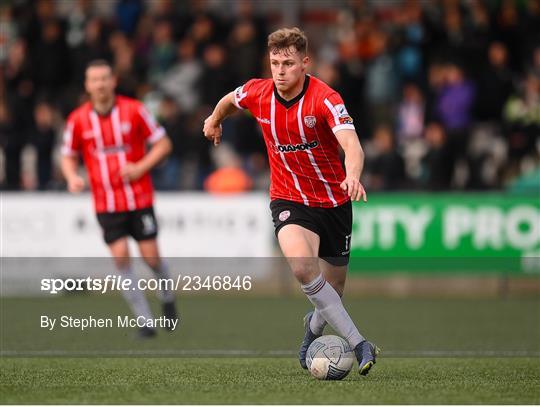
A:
(304, 122)
(111, 133)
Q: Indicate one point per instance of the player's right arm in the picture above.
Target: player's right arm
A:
(212, 124)
(69, 165)
(70, 157)
(241, 98)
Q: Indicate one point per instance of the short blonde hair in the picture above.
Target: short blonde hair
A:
(284, 38)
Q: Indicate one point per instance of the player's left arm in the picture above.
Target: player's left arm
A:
(157, 153)
(161, 146)
(354, 164)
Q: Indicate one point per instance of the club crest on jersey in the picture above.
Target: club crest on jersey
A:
(126, 127)
(284, 215)
(310, 121)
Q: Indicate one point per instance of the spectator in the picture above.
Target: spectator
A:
(412, 38)
(246, 50)
(162, 53)
(411, 112)
(535, 62)
(350, 83)
(454, 109)
(128, 13)
(77, 20)
(167, 175)
(522, 117)
(386, 168)
(530, 35)
(51, 70)
(92, 47)
(381, 82)
(142, 41)
(7, 136)
(216, 79)
(507, 29)
(202, 31)
(126, 67)
(494, 84)
(437, 162)
(43, 138)
(19, 96)
(246, 12)
(8, 33)
(478, 35)
(182, 80)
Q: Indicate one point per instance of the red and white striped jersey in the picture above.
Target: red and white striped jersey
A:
(107, 143)
(303, 151)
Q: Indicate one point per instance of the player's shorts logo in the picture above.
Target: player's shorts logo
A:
(149, 226)
(310, 121)
(284, 215)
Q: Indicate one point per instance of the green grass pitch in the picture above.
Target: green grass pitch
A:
(266, 381)
(491, 350)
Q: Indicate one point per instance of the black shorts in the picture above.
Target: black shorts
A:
(333, 225)
(140, 224)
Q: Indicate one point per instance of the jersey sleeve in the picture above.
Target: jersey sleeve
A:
(245, 95)
(151, 131)
(71, 143)
(335, 113)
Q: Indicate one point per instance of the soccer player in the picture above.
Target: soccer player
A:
(111, 133)
(304, 122)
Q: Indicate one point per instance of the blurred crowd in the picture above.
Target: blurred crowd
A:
(445, 94)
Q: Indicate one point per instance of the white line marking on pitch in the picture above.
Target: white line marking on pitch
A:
(247, 352)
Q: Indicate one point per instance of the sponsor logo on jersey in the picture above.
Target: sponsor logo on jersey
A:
(343, 115)
(341, 110)
(346, 120)
(292, 148)
(240, 94)
(310, 121)
(284, 215)
(263, 120)
(124, 148)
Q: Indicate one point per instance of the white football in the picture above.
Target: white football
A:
(329, 358)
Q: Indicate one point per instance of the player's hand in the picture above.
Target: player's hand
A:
(212, 130)
(75, 184)
(131, 172)
(354, 189)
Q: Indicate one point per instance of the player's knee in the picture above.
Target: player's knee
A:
(152, 262)
(304, 272)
